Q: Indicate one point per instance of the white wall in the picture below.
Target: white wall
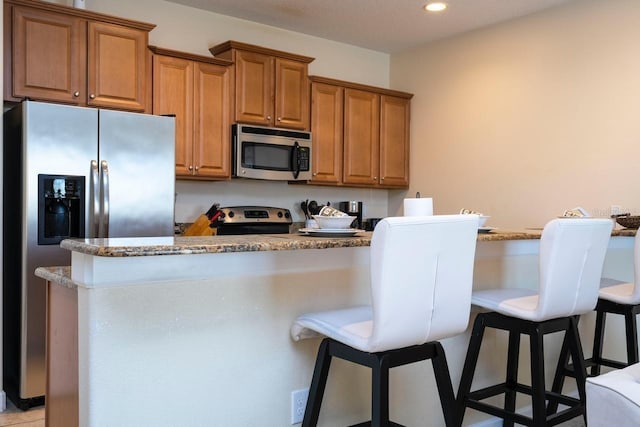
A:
(192, 30)
(528, 118)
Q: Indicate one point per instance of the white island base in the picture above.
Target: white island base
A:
(203, 339)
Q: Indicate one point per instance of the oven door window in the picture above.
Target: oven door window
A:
(256, 155)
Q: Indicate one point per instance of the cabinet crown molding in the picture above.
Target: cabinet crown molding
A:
(190, 56)
(359, 86)
(231, 44)
(82, 13)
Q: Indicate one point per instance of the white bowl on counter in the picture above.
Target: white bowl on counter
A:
(334, 222)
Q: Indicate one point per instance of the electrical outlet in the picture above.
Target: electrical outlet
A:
(298, 404)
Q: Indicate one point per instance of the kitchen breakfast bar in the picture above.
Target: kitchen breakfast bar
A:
(194, 331)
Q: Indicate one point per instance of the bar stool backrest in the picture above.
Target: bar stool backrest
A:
(636, 268)
(572, 255)
(421, 278)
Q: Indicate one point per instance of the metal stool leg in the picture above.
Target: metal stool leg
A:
(537, 380)
(445, 388)
(598, 341)
(318, 383)
(631, 330)
(577, 357)
(380, 393)
(512, 374)
(470, 362)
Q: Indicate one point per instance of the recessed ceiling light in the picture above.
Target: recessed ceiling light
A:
(435, 6)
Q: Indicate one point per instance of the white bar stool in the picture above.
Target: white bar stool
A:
(421, 277)
(615, 297)
(571, 258)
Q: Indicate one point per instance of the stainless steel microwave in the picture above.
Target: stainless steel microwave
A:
(270, 153)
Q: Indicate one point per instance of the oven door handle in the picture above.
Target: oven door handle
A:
(295, 160)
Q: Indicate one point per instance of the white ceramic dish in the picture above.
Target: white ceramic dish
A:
(330, 232)
(334, 222)
(483, 219)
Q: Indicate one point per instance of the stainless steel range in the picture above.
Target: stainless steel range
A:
(236, 220)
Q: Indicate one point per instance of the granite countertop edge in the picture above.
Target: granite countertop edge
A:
(178, 245)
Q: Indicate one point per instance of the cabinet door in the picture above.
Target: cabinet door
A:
(48, 56)
(291, 94)
(212, 140)
(394, 141)
(361, 137)
(254, 88)
(116, 66)
(173, 94)
(326, 131)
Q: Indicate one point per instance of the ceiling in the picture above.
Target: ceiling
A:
(381, 25)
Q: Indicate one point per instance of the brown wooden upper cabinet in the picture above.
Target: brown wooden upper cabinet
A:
(271, 87)
(327, 116)
(197, 90)
(63, 54)
(360, 134)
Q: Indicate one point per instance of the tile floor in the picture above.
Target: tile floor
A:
(35, 418)
(14, 417)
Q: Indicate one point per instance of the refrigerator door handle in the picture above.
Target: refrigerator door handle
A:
(105, 197)
(94, 201)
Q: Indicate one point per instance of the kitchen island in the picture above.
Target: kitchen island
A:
(194, 331)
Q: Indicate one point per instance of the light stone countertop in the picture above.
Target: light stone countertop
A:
(148, 246)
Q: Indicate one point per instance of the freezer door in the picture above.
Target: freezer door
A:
(57, 140)
(137, 167)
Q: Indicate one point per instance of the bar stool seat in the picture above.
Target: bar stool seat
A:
(571, 258)
(421, 276)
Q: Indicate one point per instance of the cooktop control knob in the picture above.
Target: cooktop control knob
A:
(279, 214)
(231, 214)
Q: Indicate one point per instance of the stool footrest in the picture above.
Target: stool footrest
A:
(368, 424)
(575, 408)
(498, 389)
(606, 362)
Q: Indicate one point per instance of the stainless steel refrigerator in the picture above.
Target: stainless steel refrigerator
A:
(72, 172)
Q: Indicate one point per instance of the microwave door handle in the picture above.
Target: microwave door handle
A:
(295, 160)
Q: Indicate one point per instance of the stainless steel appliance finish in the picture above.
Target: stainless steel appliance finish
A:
(126, 162)
(353, 208)
(270, 153)
(236, 220)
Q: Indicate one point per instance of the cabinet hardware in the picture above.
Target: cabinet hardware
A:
(76, 94)
(92, 96)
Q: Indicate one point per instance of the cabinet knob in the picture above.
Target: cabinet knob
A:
(76, 94)
(382, 178)
(315, 174)
(197, 168)
(190, 167)
(375, 178)
(268, 117)
(279, 119)
(92, 96)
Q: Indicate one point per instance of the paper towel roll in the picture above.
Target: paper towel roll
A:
(418, 207)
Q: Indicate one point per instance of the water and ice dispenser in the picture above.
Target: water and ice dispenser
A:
(60, 208)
